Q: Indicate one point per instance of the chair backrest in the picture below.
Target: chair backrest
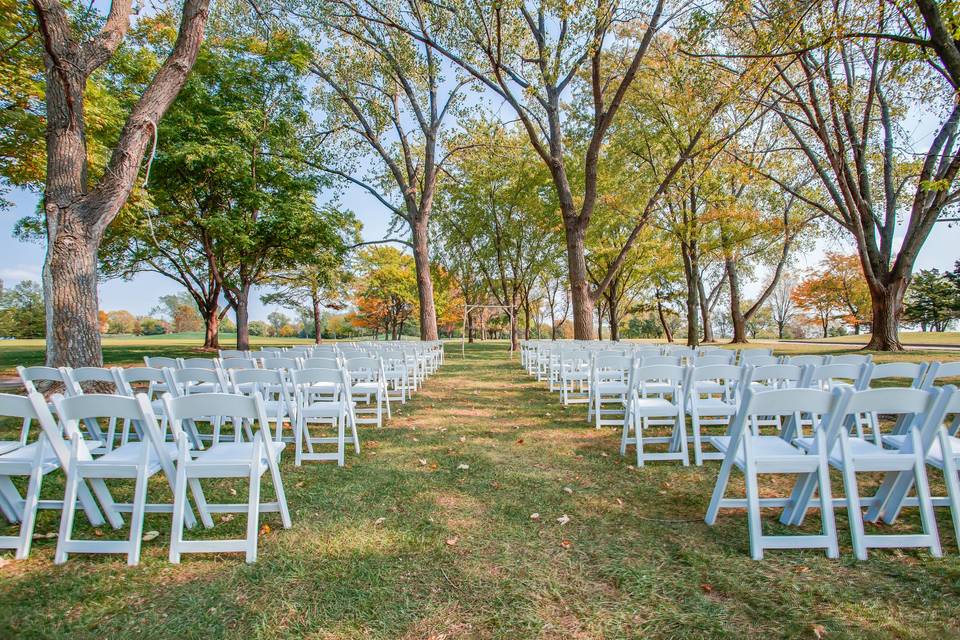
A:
(760, 360)
(204, 406)
(852, 358)
(813, 360)
(126, 378)
(824, 407)
(238, 363)
(33, 407)
(93, 406)
(160, 362)
(922, 409)
(717, 355)
(711, 360)
(659, 374)
(718, 372)
(912, 371)
(826, 376)
(778, 375)
(941, 371)
(320, 363)
(651, 361)
(364, 368)
(198, 363)
(747, 355)
(281, 363)
(234, 353)
(74, 378)
(303, 379)
(31, 375)
(181, 381)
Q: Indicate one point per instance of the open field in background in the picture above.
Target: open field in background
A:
(403, 544)
(129, 350)
(946, 338)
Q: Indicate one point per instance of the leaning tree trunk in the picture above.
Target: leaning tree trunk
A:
(663, 321)
(580, 296)
(316, 319)
(705, 312)
(887, 302)
(421, 259)
(612, 312)
(691, 271)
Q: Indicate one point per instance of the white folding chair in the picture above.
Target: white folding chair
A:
(366, 375)
(248, 460)
(713, 398)
(274, 387)
(764, 454)
(233, 353)
(323, 396)
(609, 384)
(135, 460)
(924, 410)
(192, 381)
(162, 362)
(104, 381)
(198, 363)
(663, 405)
(34, 461)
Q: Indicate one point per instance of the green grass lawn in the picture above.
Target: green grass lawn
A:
(403, 544)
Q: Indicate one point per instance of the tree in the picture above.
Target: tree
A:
(151, 326)
(259, 328)
(782, 306)
(389, 98)
(385, 296)
(932, 301)
(277, 321)
(21, 311)
(78, 212)
(844, 101)
(530, 55)
(122, 322)
(818, 295)
(181, 311)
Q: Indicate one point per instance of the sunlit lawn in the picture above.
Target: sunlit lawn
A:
(403, 544)
(946, 338)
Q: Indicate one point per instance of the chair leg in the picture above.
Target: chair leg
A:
(341, 444)
(136, 517)
(754, 524)
(66, 518)
(827, 516)
(697, 443)
(953, 485)
(29, 517)
(924, 500)
(298, 436)
(719, 489)
(106, 501)
(253, 512)
(179, 505)
(854, 514)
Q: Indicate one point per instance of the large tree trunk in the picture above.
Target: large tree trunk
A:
(691, 270)
(421, 258)
(76, 214)
(580, 296)
(612, 312)
(242, 309)
(736, 311)
(317, 312)
(70, 291)
(211, 328)
(887, 302)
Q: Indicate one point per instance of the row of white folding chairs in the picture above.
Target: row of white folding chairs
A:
(924, 440)
(289, 396)
(710, 396)
(60, 445)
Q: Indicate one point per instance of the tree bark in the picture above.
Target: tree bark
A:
(663, 321)
(77, 215)
(421, 259)
(211, 326)
(705, 312)
(242, 309)
(613, 312)
(316, 319)
(736, 311)
(580, 295)
(691, 270)
(887, 302)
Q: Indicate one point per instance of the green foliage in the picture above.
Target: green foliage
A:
(259, 328)
(22, 311)
(152, 327)
(932, 301)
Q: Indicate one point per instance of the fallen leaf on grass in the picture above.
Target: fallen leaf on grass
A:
(452, 542)
(434, 466)
(300, 485)
(463, 438)
(620, 501)
(422, 462)
(462, 467)
(534, 516)
(150, 535)
(564, 519)
(566, 544)
(568, 490)
(379, 521)
(707, 588)
(519, 440)
(98, 533)
(265, 529)
(42, 536)
(604, 454)
(819, 631)
(227, 518)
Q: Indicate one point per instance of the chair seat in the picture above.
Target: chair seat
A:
(711, 406)
(935, 455)
(20, 460)
(236, 453)
(762, 446)
(6, 446)
(710, 386)
(365, 387)
(859, 449)
(132, 452)
(654, 407)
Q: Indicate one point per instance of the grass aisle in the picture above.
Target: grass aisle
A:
(429, 534)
